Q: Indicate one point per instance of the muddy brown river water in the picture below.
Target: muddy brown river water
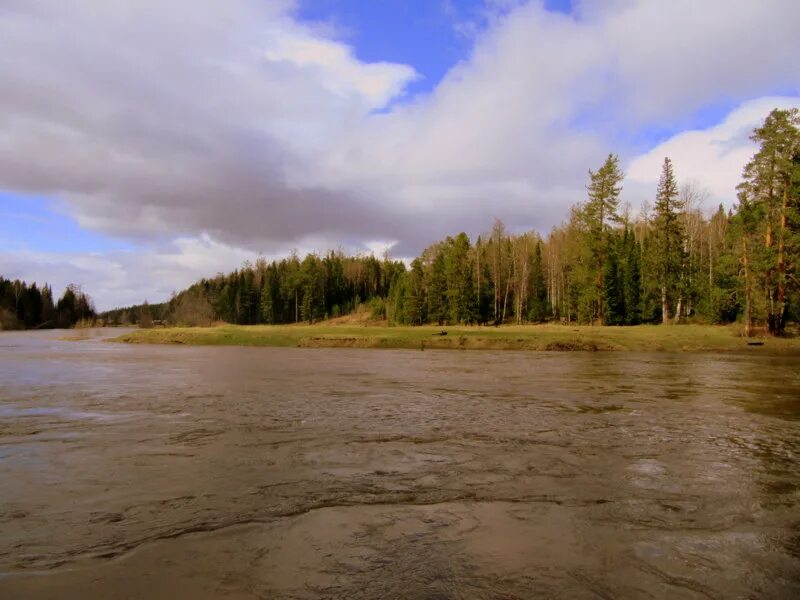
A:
(205, 472)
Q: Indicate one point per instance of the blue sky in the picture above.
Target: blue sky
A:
(32, 223)
(434, 35)
(430, 35)
(191, 135)
(421, 34)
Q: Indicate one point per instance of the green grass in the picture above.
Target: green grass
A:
(671, 338)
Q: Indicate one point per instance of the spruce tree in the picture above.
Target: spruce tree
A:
(669, 240)
(437, 290)
(613, 287)
(631, 278)
(414, 302)
(538, 289)
(266, 305)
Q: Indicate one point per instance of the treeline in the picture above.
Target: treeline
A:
(26, 306)
(143, 315)
(286, 291)
(669, 263)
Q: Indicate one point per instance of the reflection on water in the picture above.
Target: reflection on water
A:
(299, 473)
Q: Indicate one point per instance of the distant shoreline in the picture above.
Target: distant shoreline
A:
(547, 337)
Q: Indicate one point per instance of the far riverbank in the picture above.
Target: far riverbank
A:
(547, 337)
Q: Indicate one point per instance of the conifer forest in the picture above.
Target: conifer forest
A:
(669, 261)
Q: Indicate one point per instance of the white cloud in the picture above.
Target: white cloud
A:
(713, 157)
(337, 68)
(122, 278)
(180, 119)
(512, 131)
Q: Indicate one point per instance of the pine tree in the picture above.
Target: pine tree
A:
(48, 309)
(613, 286)
(497, 267)
(461, 299)
(669, 240)
(769, 187)
(715, 241)
(538, 308)
(631, 278)
(266, 303)
(437, 290)
(414, 302)
(599, 212)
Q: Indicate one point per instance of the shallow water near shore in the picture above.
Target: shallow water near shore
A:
(163, 472)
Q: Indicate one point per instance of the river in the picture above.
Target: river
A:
(203, 472)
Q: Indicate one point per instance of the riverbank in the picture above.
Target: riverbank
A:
(643, 338)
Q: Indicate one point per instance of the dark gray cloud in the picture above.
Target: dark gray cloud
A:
(151, 122)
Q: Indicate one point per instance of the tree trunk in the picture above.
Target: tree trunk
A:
(505, 299)
(296, 308)
(769, 292)
(710, 280)
(600, 307)
(496, 294)
(768, 286)
(678, 310)
(478, 279)
(523, 280)
(497, 239)
(780, 310)
(664, 306)
(748, 325)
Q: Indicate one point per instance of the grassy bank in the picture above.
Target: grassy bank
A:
(676, 338)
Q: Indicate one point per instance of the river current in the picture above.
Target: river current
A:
(205, 472)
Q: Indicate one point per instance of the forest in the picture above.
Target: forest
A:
(24, 306)
(669, 263)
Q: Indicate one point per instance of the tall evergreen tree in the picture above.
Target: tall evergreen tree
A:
(669, 240)
(266, 302)
(631, 278)
(461, 299)
(538, 308)
(437, 290)
(600, 213)
(613, 285)
(414, 305)
(769, 187)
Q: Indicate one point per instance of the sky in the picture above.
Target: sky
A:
(145, 144)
